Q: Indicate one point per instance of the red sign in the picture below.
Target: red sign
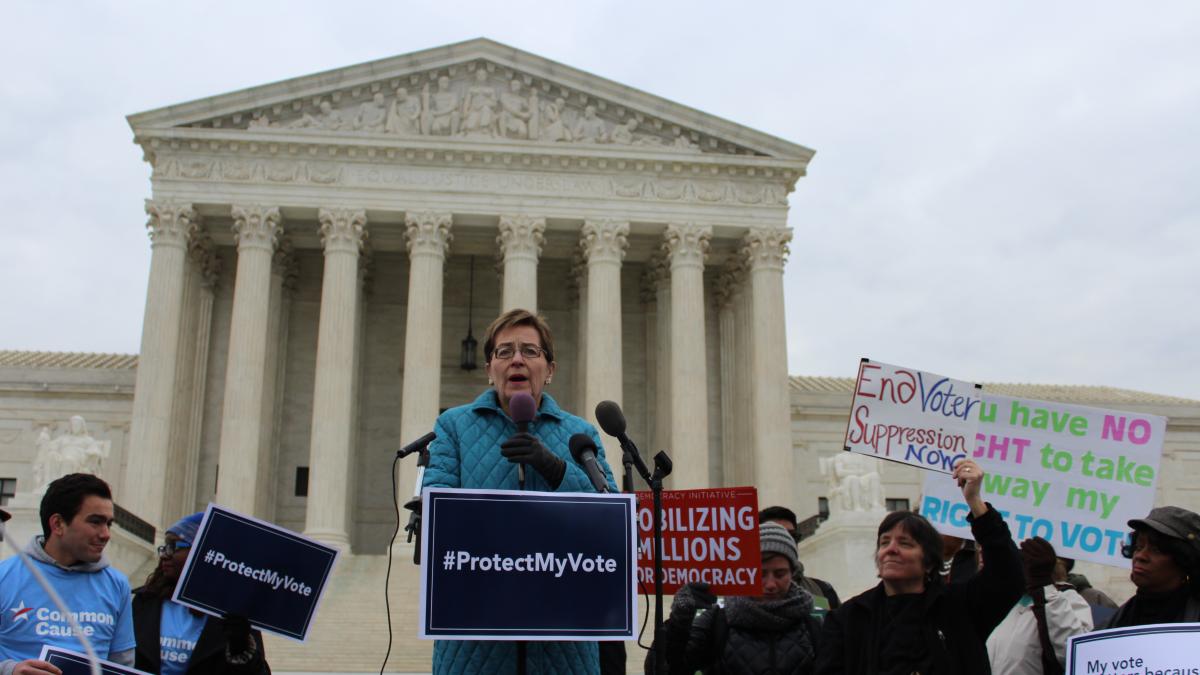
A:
(709, 536)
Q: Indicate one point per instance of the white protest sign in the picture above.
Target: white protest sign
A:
(1157, 649)
(1070, 474)
(911, 416)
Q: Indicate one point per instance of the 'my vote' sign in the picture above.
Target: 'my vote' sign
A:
(912, 416)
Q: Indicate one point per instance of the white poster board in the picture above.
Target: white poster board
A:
(1070, 474)
(1157, 649)
(912, 416)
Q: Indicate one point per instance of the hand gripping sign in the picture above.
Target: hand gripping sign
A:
(511, 565)
(910, 416)
(247, 567)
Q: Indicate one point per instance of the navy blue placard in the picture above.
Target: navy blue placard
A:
(507, 565)
(244, 566)
(75, 663)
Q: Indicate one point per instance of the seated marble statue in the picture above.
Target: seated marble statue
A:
(73, 452)
(404, 116)
(371, 115)
(440, 116)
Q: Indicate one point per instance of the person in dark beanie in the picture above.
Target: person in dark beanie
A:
(1164, 549)
(825, 598)
(173, 639)
(772, 633)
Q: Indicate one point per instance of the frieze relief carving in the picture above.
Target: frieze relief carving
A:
(479, 101)
(324, 172)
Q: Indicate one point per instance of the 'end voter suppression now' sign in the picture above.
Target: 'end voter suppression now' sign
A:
(709, 536)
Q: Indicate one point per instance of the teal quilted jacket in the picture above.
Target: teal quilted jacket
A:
(466, 454)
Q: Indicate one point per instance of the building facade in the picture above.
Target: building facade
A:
(322, 247)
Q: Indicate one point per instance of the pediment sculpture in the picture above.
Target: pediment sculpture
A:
(72, 452)
(486, 105)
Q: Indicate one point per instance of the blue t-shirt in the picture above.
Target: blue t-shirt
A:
(100, 602)
(178, 633)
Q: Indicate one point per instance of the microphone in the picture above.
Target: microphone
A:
(584, 452)
(416, 445)
(612, 421)
(522, 408)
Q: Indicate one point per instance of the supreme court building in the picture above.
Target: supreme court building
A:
(322, 246)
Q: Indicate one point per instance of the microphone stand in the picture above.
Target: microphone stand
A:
(662, 469)
(414, 519)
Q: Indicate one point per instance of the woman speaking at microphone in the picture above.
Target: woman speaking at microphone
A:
(479, 446)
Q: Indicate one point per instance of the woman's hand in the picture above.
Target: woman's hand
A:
(970, 479)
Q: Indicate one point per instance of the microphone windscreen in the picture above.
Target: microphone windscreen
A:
(579, 443)
(521, 407)
(610, 418)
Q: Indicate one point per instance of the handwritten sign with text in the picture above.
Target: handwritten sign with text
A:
(1070, 474)
(911, 416)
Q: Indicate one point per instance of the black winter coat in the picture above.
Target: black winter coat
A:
(955, 620)
(209, 656)
(746, 637)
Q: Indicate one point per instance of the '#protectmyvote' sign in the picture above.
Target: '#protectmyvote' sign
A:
(709, 536)
(510, 565)
(911, 416)
(247, 567)
(1070, 474)
(1157, 649)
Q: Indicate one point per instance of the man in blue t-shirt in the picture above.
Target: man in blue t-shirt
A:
(76, 514)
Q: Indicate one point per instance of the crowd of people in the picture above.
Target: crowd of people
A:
(942, 605)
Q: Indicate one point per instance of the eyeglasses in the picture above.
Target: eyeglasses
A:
(506, 351)
(170, 549)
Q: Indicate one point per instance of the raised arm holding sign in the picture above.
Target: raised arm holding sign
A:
(911, 621)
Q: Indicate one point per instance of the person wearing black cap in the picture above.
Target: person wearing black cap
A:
(1164, 550)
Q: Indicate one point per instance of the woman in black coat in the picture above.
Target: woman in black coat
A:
(913, 623)
(175, 640)
(1164, 552)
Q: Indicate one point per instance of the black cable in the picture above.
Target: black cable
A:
(645, 614)
(388, 575)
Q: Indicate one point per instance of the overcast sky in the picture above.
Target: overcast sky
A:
(1001, 193)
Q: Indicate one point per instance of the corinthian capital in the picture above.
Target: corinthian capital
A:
(521, 237)
(256, 226)
(686, 245)
(729, 281)
(342, 230)
(605, 240)
(428, 233)
(203, 255)
(171, 223)
(766, 247)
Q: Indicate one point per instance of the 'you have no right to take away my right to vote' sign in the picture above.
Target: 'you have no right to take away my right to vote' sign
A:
(1071, 474)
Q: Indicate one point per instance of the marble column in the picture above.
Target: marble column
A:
(520, 242)
(257, 230)
(686, 246)
(171, 224)
(742, 456)
(283, 281)
(578, 287)
(428, 243)
(661, 428)
(190, 376)
(331, 451)
(604, 244)
(727, 336)
(766, 250)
